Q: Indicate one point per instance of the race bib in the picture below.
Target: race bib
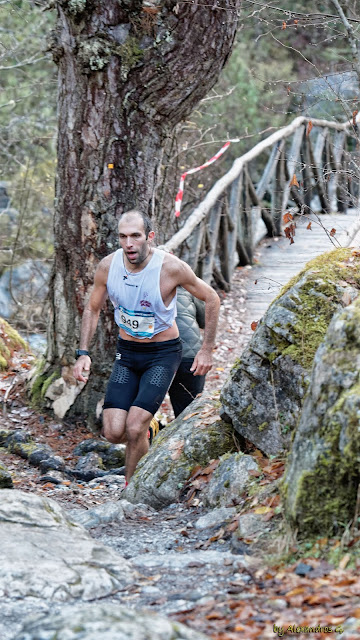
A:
(139, 324)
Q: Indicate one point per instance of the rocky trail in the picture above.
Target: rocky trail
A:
(191, 566)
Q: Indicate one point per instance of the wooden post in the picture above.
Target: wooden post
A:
(306, 173)
(195, 241)
(245, 232)
(319, 181)
(278, 190)
(292, 164)
(211, 241)
(265, 213)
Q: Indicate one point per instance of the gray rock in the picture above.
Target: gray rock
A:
(229, 480)
(108, 622)
(266, 389)
(45, 555)
(215, 518)
(112, 455)
(5, 477)
(181, 560)
(195, 438)
(108, 512)
(323, 470)
(104, 513)
(251, 524)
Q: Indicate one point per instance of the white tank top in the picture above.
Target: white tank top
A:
(137, 300)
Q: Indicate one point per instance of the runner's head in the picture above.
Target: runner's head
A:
(135, 236)
(142, 216)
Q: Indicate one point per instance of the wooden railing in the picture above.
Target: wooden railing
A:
(307, 158)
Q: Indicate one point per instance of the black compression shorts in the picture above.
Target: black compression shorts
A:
(142, 374)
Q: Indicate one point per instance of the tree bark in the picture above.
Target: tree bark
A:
(129, 71)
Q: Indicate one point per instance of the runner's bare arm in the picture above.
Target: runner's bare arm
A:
(198, 288)
(90, 319)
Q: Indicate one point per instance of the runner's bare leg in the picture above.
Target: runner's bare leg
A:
(114, 421)
(137, 425)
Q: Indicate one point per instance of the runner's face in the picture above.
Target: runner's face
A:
(133, 239)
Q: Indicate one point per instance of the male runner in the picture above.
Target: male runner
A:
(141, 283)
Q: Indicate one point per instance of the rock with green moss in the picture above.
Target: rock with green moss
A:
(188, 442)
(108, 622)
(265, 392)
(112, 455)
(229, 480)
(323, 471)
(5, 477)
(10, 341)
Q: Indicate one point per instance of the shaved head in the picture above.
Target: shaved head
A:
(135, 213)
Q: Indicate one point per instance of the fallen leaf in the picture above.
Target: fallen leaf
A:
(254, 324)
(346, 298)
(287, 217)
(344, 561)
(293, 181)
(190, 415)
(332, 232)
(309, 226)
(260, 510)
(308, 128)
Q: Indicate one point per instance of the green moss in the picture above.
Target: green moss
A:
(263, 426)
(41, 382)
(10, 341)
(245, 412)
(48, 382)
(237, 363)
(130, 54)
(326, 494)
(316, 302)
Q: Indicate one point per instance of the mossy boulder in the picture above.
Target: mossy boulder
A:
(112, 455)
(5, 477)
(323, 472)
(10, 341)
(265, 392)
(197, 436)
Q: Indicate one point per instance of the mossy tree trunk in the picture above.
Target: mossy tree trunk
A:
(129, 71)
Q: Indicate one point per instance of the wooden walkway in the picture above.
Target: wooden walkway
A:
(276, 262)
(279, 261)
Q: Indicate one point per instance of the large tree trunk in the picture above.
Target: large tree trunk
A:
(128, 73)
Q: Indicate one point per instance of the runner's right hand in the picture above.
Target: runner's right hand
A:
(81, 369)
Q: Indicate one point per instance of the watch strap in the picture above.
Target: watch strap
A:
(81, 352)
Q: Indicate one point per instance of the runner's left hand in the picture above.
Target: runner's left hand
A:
(202, 362)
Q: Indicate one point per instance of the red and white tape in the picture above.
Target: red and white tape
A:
(180, 193)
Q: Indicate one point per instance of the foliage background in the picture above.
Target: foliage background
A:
(285, 61)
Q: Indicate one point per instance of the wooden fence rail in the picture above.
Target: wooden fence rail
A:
(223, 230)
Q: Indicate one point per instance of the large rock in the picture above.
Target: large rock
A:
(229, 480)
(197, 436)
(108, 622)
(46, 555)
(264, 395)
(323, 471)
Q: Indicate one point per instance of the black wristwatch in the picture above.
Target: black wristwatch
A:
(81, 352)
